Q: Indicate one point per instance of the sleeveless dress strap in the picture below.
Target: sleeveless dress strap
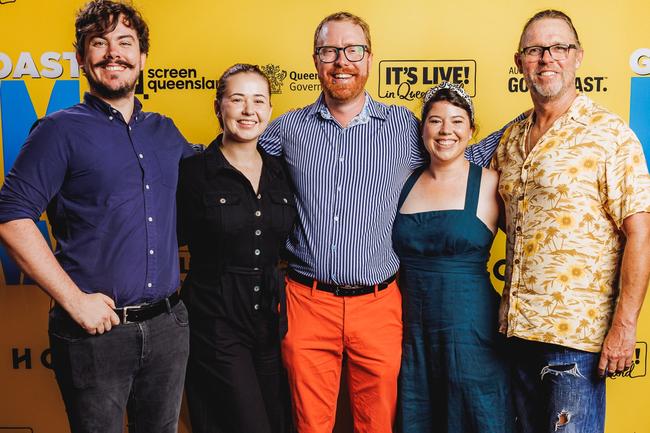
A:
(408, 186)
(473, 188)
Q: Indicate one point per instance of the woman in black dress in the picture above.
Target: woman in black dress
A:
(236, 207)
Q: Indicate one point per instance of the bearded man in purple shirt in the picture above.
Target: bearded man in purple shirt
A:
(106, 172)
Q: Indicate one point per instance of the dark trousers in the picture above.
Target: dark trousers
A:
(235, 379)
(137, 367)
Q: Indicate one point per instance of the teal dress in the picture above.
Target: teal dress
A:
(454, 375)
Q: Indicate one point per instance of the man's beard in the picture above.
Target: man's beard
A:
(345, 92)
(549, 92)
(112, 93)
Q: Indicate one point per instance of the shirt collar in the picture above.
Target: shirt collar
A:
(104, 107)
(577, 112)
(371, 108)
(215, 161)
(580, 109)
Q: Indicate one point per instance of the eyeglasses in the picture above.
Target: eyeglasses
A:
(354, 53)
(557, 51)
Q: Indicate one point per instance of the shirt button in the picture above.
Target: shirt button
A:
(258, 232)
(129, 128)
(256, 307)
(140, 155)
(516, 261)
(222, 200)
(258, 213)
(146, 187)
(336, 217)
(285, 200)
(149, 284)
(333, 247)
(149, 219)
(110, 117)
(256, 289)
(257, 252)
(150, 252)
(259, 196)
(521, 197)
(340, 159)
(338, 188)
(527, 166)
(518, 228)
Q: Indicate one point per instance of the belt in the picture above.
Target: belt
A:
(339, 289)
(142, 312)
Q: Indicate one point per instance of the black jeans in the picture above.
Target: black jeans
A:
(137, 367)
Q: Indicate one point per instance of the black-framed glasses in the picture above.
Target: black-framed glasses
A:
(354, 53)
(557, 51)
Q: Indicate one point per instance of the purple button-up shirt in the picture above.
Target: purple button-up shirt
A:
(110, 192)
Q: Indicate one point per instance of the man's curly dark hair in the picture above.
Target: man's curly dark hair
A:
(99, 17)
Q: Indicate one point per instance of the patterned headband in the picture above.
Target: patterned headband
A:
(454, 88)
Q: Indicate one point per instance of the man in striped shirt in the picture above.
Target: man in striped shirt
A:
(349, 156)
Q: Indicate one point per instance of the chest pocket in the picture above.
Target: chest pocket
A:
(224, 211)
(283, 211)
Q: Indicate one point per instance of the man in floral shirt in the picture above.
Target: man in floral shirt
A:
(576, 189)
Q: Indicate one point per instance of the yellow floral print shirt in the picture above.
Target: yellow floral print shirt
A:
(565, 204)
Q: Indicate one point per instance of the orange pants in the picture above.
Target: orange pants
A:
(368, 329)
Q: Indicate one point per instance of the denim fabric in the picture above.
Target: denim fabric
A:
(137, 367)
(556, 389)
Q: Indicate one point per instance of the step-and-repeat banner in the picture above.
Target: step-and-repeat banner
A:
(416, 44)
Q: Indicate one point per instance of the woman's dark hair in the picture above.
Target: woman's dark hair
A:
(235, 69)
(450, 96)
(102, 16)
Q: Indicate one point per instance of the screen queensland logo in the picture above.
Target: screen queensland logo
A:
(165, 79)
(640, 97)
(410, 79)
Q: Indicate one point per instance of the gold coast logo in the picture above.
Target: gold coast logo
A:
(49, 64)
(276, 76)
(410, 79)
(585, 84)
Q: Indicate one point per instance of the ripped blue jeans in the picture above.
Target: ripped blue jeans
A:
(556, 389)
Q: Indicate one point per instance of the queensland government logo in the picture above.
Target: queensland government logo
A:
(276, 76)
(410, 79)
(299, 81)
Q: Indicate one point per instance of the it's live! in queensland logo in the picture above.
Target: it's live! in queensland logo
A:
(410, 79)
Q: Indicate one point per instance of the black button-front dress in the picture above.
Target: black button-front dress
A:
(235, 379)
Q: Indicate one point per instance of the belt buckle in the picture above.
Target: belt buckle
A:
(125, 314)
(346, 289)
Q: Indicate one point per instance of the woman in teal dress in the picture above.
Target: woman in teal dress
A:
(454, 375)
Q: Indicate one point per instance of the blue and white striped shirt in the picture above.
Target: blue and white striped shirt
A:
(348, 182)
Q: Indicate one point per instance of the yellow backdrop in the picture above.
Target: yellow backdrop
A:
(415, 43)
